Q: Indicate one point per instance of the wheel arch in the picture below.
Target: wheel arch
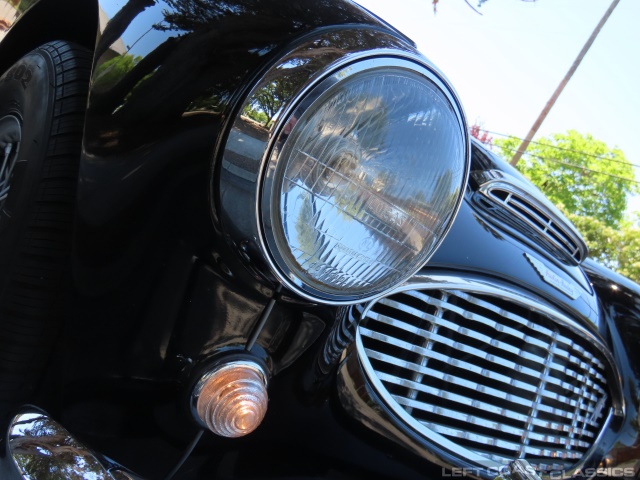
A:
(72, 20)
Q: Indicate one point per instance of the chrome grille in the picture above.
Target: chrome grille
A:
(491, 374)
(541, 223)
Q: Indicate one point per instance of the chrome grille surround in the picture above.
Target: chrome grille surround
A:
(489, 373)
(516, 205)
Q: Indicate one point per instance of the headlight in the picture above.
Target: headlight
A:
(360, 179)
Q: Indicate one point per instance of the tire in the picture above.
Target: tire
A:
(43, 98)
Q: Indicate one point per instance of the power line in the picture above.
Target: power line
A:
(599, 157)
(577, 167)
(563, 83)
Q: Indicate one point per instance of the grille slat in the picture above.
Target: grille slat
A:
(456, 415)
(474, 420)
(565, 341)
(510, 381)
(524, 211)
(454, 380)
(504, 444)
(457, 381)
(485, 406)
(491, 342)
(489, 373)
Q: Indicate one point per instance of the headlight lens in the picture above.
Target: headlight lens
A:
(363, 181)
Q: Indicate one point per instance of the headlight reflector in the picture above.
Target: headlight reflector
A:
(364, 178)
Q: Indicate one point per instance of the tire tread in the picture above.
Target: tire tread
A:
(31, 306)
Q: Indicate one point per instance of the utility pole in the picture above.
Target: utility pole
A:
(545, 111)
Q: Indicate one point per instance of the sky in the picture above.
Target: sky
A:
(506, 63)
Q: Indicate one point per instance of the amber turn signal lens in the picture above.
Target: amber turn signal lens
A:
(232, 399)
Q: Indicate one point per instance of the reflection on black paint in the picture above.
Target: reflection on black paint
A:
(210, 50)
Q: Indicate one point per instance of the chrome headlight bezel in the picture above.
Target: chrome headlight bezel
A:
(249, 223)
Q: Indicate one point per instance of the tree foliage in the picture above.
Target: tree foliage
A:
(268, 101)
(578, 172)
(616, 248)
(585, 179)
(112, 71)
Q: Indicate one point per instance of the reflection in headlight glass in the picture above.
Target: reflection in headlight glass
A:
(367, 180)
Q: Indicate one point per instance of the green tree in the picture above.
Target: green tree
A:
(629, 252)
(616, 248)
(269, 99)
(256, 115)
(579, 173)
(114, 70)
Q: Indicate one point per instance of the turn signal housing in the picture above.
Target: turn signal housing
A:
(231, 400)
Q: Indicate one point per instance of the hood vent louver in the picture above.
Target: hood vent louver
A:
(532, 215)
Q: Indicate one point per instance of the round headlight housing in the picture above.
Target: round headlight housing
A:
(363, 180)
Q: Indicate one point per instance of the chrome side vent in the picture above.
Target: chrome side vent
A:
(530, 214)
(497, 377)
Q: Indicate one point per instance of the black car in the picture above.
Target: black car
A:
(253, 239)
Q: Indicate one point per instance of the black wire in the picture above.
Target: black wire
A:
(600, 157)
(185, 455)
(263, 319)
(577, 167)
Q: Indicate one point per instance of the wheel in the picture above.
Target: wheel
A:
(42, 102)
